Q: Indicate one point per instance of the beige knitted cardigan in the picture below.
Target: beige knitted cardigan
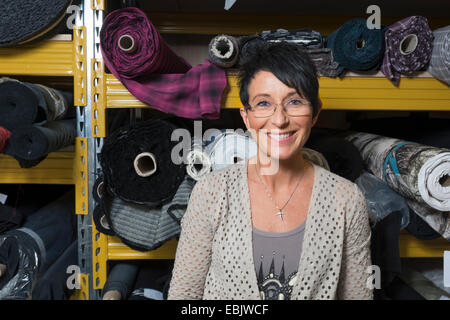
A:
(214, 258)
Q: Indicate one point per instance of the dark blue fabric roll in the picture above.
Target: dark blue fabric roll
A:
(356, 47)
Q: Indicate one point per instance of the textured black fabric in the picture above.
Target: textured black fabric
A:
(119, 152)
(35, 142)
(9, 256)
(155, 274)
(121, 278)
(19, 105)
(399, 290)
(21, 20)
(53, 284)
(342, 157)
(419, 228)
(99, 216)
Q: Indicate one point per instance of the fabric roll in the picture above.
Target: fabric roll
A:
(118, 155)
(411, 169)
(356, 47)
(101, 220)
(307, 38)
(401, 164)
(153, 73)
(382, 200)
(419, 228)
(98, 189)
(35, 142)
(22, 21)
(121, 279)
(52, 285)
(153, 280)
(5, 134)
(325, 64)
(440, 57)
(144, 227)
(409, 45)
(223, 51)
(342, 156)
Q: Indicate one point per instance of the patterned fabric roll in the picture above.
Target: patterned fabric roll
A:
(409, 43)
(134, 51)
(324, 62)
(417, 172)
(440, 58)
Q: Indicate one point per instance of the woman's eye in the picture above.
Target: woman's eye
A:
(296, 102)
(263, 104)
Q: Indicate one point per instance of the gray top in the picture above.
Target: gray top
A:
(276, 256)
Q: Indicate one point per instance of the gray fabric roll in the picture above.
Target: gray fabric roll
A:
(146, 228)
(440, 57)
(324, 62)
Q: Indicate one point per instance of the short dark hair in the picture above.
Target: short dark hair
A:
(290, 63)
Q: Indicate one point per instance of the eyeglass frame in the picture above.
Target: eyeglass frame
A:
(249, 107)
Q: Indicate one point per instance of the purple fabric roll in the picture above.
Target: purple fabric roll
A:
(153, 73)
(409, 43)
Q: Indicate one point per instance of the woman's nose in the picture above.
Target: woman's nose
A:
(280, 118)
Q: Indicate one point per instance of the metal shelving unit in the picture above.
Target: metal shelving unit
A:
(104, 91)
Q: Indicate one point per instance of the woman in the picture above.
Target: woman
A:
(276, 226)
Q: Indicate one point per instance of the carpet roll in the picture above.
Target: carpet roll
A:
(33, 142)
(144, 227)
(137, 55)
(307, 38)
(121, 279)
(356, 47)
(118, 157)
(101, 220)
(22, 21)
(23, 103)
(409, 45)
(440, 57)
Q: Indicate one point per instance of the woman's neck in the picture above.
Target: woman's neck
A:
(278, 174)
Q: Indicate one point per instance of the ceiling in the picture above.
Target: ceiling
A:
(393, 8)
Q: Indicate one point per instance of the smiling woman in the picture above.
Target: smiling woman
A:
(295, 231)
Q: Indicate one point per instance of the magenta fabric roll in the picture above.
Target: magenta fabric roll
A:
(154, 74)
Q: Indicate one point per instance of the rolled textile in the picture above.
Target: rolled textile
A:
(356, 47)
(121, 279)
(440, 57)
(342, 156)
(32, 142)
(153, 73)
(324, 62)
(144, 227)
(44, 236)
(101, 220)
(52, 285)
(409, 44)
(118, 156)
(419, 228)
(439, 221)
(22, 21)
(382, 200)
(415, 171)
(5, 134)
(23, 103)
(307, 38)
(223, 51)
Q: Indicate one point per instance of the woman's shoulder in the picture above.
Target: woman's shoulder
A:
(220, 178)
(339, 185)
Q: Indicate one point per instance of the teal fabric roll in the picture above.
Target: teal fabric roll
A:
(356, 47)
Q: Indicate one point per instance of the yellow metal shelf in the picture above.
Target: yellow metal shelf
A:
(57, 168)
(117, 250)
(411, 247)
(46, 58)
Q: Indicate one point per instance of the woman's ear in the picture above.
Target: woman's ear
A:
(244, 116)
(319, 108)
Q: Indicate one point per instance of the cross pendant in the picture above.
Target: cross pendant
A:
(280, 213)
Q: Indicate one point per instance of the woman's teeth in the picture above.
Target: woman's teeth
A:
(280, 136)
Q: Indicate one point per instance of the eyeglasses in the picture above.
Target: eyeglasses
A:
(294, 107)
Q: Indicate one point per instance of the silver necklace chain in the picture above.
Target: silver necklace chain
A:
(280, 212)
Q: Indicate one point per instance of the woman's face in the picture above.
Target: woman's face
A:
(279, 136)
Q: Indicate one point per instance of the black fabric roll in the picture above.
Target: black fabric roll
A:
(22, 21)
(224, 51)
(155, 276)
(122, 278)
(419, 228)
(98, 189)
(307, 38)
(53, 284)
(19, 105)
(101, 220)
(34, 142)
(9, 257)
(342, 157)
(118, 155)
(23, 103)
